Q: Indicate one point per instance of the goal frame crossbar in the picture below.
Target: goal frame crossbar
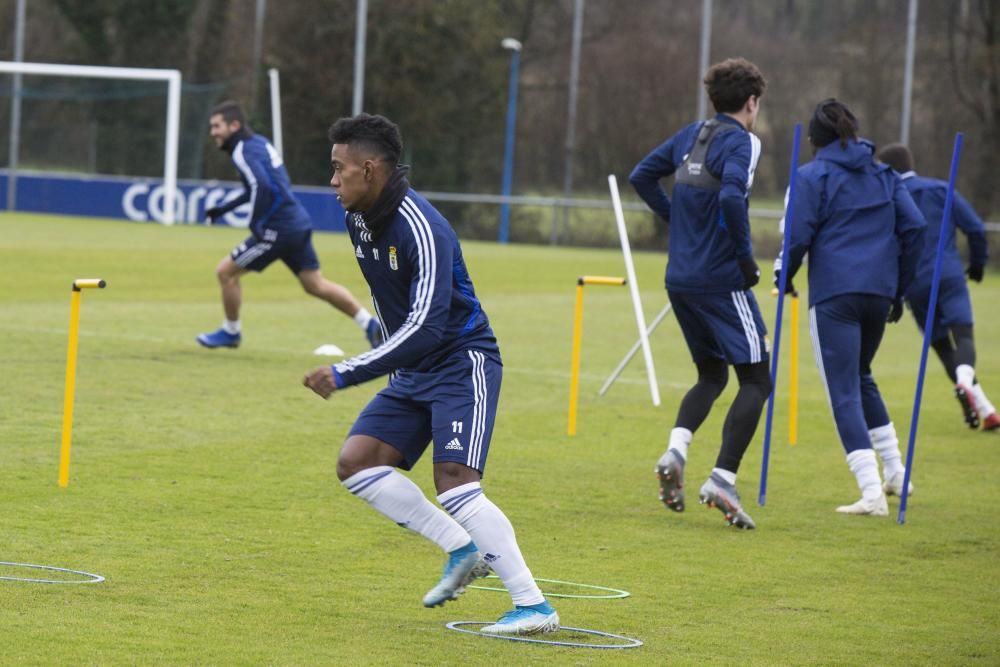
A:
(171, 77)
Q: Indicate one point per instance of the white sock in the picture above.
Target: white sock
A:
(885, 442)
(965, 375)
(363, 317)
(983, 405)
(727, 475)
(495, 538)
(398, 498)
(865, 468)
(680, 440)
(231, 326)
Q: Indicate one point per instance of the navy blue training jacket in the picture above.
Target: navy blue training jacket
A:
(267, 187)
(857, 221)
(422, 292)
(929, 195)
(709, 231)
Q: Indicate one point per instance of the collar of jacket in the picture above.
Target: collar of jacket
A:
(383, 211)
(229, 145)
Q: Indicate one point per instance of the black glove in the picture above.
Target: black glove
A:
(789, 287)
(214, 213)
(751, 272)
(975, 272)
(896, 311)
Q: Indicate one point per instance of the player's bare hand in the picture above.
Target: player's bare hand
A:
(321, 381)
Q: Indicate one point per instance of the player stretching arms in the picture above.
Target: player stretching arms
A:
(445, 371)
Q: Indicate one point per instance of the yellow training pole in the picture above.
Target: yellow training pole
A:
(74, 333)
(574, 373)
(793, 380)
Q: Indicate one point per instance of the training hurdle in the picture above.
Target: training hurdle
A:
(793, 369)
(793, 373)
(574, 373)
(74, 333)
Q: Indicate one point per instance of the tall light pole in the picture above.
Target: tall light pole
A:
(514, 47)
(258, 47)
(15, 111)
(704, 46)
(574, 78)
(911, 39)
(360, 34)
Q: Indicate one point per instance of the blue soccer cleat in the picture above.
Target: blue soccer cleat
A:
(373, 332)
(717, 492)
(531, 620)
(464, 565)
(219, 338)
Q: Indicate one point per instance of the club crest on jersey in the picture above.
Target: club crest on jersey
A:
(393, 263)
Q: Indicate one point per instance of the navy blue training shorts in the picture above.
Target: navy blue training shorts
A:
(954, 308)
(455, 405)
(721, 325)
(295, 249)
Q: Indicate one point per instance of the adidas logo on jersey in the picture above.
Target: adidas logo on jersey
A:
(358, 253)
(454, 444)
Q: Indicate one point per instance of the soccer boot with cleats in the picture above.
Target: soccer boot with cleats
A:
(219, 338)
(893, 486)
(670, 472)
(991, 422)
(867, 506)
(373, 332)
(967, 400)
(531, 620)
(464, 565)
(717, 492)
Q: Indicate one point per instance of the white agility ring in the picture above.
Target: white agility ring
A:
(632, 643)
(94, 578)
(616, 592)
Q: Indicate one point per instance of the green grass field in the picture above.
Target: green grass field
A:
(203, 486)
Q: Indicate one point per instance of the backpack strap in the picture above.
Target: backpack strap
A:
(694, 171)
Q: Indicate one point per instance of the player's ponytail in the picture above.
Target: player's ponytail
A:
(832, 120)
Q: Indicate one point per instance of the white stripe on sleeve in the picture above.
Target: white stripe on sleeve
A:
(241, 163)
(426, 269)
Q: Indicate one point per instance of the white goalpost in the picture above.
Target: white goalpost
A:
(172, 77)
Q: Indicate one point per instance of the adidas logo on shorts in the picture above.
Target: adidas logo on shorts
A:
(454, 444)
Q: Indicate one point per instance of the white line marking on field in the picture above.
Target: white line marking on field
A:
(534, 372)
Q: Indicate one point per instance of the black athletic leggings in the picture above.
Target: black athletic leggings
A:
(744, 414)
(958, 348)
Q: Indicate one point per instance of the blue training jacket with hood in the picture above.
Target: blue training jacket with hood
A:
(709, 231)
(929, 195)
(857, 221)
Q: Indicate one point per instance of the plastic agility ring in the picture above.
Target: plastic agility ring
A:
(632, 643)
(617, 593)
(94, 578)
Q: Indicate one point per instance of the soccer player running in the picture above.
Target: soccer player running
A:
(709, 274)
(951, 335)
(444, 372)
(279, 229)
(864, 236)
